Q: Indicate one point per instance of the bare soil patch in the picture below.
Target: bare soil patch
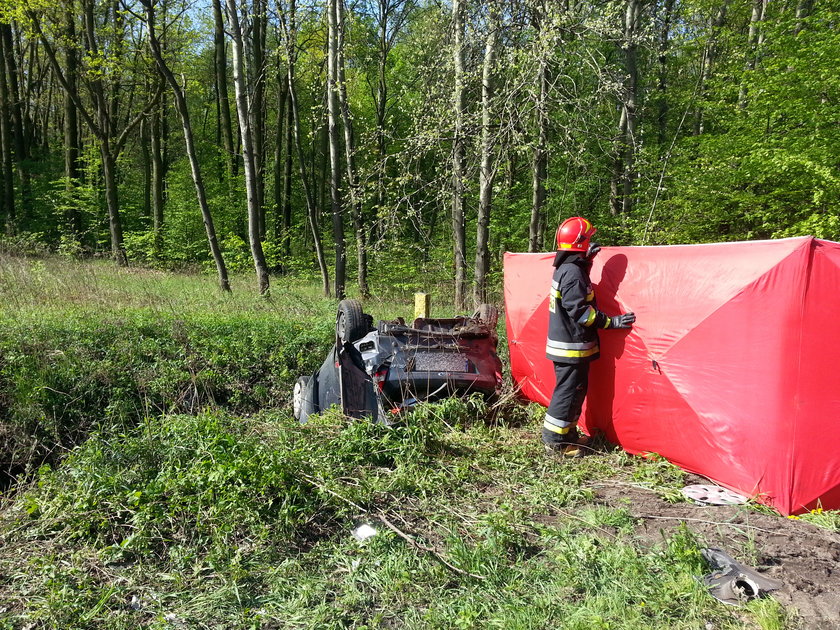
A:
(804, 557)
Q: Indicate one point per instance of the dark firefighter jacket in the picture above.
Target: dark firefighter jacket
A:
(574, 318)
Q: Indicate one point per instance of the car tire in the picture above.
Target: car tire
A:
(350, 323)
(299, 396)
(489, 314)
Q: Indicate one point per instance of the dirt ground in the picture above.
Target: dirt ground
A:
(805, 558)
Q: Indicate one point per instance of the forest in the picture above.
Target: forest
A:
(374, 142)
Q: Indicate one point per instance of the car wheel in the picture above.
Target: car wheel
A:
(350, 323)
(489, 314)
(298, 396)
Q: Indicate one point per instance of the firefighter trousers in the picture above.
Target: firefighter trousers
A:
(571, 383)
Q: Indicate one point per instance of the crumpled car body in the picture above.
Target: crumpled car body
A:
(383, 370)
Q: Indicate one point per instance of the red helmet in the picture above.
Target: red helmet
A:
(574, 234)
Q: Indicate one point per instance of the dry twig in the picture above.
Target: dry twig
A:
(381, 517)
(428, 550)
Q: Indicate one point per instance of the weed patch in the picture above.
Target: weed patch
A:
(63, 376)
(244, 522)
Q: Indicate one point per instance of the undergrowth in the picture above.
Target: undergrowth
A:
(87, 346)
(64, 375)
(214, 520)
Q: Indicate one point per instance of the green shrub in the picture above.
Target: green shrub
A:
(208, 482)
(63, 375)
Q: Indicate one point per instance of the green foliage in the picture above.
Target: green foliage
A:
(188, 492)
(767, 168)
(61, 376)
(733, 138)
(245, 522)
(82, 347)
(213, 481)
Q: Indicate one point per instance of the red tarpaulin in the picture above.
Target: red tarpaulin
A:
(730, 370)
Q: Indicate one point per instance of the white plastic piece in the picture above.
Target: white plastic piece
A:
(705, 494)
(363, 532)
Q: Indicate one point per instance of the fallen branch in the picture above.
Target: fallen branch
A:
(381, 517)
(320, 486)
(423, 548)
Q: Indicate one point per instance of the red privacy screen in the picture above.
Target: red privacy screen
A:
(730, 370)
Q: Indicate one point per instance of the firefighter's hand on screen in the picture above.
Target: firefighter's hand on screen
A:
(593, 249)
(623, 321)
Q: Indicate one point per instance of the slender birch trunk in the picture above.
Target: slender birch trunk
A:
(488, 168)
(220, 63)
(539, 166)
(458, 107)
(350, 161)
(243, 105)
(335, 164)
(195, 167)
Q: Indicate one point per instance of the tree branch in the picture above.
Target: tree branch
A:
(136, 120)
(97, 131)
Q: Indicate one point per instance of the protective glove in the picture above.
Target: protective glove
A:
(593, 249)
(623, 321)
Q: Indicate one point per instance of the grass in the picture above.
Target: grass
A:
(59, 284)
(245, 522)
(229, 514)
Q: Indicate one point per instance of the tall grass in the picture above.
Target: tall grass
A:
(56, 283)
(214, 520)
(87, 346)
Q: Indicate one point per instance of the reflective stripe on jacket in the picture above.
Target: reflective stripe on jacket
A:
(574, 318)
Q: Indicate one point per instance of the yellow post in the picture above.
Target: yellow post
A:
(422, 305)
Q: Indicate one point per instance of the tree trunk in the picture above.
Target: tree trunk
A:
(287, 179)
(46, 118)
(323, 165)
(621, 186)
(282, 98)
(290, 36)
(707, 65)
(158, 175)
(754, 41)
(488, 168)
(109, 174)
(350, 159)
(71, 123)
(19, 135)
(146, 163)
(259, 23)
(245, 132)
(458, 107)
(382, 104)
(8, 178)
(28, 96)
(539, 167)
(634, 8)
(220, 63)
(104, 117)
(539, 170)
(335, 164)
(184, 112)
(662, 84)
(804, 8)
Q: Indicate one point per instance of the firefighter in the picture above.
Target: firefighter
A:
(574, 320)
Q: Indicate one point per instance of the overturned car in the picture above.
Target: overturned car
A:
(379, 371)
